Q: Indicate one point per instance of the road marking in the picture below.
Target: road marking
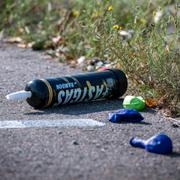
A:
(49, 123)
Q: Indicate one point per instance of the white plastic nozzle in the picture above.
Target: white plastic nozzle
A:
(19, 95)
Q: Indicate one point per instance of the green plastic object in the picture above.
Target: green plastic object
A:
(134, 102)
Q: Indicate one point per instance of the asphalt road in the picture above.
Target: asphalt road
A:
(65, 153)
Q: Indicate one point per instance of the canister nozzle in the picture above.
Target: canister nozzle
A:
(19, 95)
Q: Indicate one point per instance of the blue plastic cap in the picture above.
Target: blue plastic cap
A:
(136, 142)
(125, 115)
(160, 143)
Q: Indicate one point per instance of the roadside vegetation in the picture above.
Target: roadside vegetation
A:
(140, 37)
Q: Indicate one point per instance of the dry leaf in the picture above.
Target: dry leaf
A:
(57, 39)
(166, 112)
(151, 102)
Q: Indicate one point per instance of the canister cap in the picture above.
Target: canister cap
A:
(40, 93)
(122, 81)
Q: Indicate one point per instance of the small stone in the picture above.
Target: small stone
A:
(157, 16)
(131, 153)
(22, 45)
(93, 61)
(175, 125)
(75, 143)
(103, 150)
(99, 64)
(81, 60)
(73, 64)
(90, 68)
(126, 34)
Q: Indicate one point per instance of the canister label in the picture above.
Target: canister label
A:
(87, 93)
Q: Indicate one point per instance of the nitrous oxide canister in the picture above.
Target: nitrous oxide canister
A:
(42, 93)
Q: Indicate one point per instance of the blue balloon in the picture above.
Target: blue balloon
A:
(159, 143)
(125, 115)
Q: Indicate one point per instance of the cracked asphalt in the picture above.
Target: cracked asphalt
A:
(70, 153)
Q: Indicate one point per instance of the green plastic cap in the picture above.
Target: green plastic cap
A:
(134, 102)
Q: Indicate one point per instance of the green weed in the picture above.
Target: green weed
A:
(140, 37)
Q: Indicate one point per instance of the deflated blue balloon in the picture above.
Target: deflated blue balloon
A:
(159, 143)
(125, 115)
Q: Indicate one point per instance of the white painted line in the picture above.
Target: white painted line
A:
(50, 123)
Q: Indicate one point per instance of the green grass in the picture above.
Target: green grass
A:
(150, 57)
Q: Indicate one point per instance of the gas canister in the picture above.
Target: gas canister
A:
(42, 93)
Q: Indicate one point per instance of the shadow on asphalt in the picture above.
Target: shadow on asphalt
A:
(140, 123)
(82, 108)
(86, 108)
(174, 155)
